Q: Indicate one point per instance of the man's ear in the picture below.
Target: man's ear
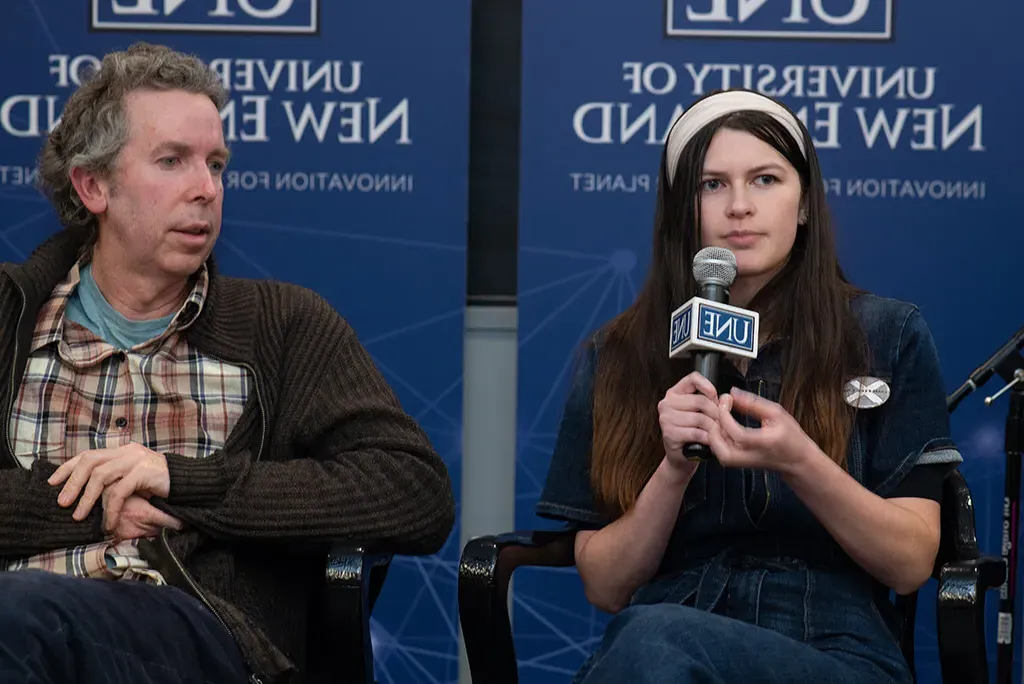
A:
(92, 189)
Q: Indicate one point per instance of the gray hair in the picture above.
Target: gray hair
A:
(94, 127)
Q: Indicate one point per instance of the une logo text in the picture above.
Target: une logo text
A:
(725, 327)
(837, 19)
(231, 16)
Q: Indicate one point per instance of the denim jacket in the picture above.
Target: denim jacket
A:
(734, 522)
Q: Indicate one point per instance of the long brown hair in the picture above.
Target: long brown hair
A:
(805, 306)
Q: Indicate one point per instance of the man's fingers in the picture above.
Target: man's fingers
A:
(161, 519)
(73, 487)
(102, 476)
(116, 497)
(85, 463)
(65, 469)
(145, 515)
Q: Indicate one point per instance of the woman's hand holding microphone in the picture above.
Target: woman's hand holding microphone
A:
(687, 413)
(692, 411)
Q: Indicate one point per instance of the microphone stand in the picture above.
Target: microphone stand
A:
(1002, 362)
(1009, 365)
(1006, 635)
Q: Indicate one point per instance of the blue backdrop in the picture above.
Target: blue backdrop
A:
(915, 112)
(348, 176)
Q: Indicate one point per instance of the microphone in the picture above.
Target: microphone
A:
(983, 372)
(707, 327)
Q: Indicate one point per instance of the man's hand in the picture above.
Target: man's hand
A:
(139, 519)
(126, 470)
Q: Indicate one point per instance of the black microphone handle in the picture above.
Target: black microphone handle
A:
(706, 363)
(715, 292)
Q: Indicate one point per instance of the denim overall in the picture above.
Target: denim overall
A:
(751, 587)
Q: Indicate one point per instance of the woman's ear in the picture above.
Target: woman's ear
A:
(801, 218)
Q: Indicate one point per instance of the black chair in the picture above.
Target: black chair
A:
(963, 573)
(341, 649)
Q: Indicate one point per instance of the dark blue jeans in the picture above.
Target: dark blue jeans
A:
(57, 629)
(661, 643)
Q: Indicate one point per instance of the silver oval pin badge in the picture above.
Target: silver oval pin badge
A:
(866, 392)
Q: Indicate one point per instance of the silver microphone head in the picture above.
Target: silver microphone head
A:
(714, 265)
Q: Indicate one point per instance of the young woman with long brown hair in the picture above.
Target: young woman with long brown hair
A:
(772, 561)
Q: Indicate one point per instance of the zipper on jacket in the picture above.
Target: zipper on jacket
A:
(263, 412)
(253, 678)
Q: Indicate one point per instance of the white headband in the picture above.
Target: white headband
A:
(711, 108)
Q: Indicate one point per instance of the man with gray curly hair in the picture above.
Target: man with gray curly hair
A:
(168, 430)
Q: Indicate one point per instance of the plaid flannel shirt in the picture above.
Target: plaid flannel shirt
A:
(80, 393)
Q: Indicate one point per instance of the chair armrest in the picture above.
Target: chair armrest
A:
(959, 539)
(354, 577)
(960, 613)
(485, 569)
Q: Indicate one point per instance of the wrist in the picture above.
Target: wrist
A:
(676, 475)
(802, 462)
